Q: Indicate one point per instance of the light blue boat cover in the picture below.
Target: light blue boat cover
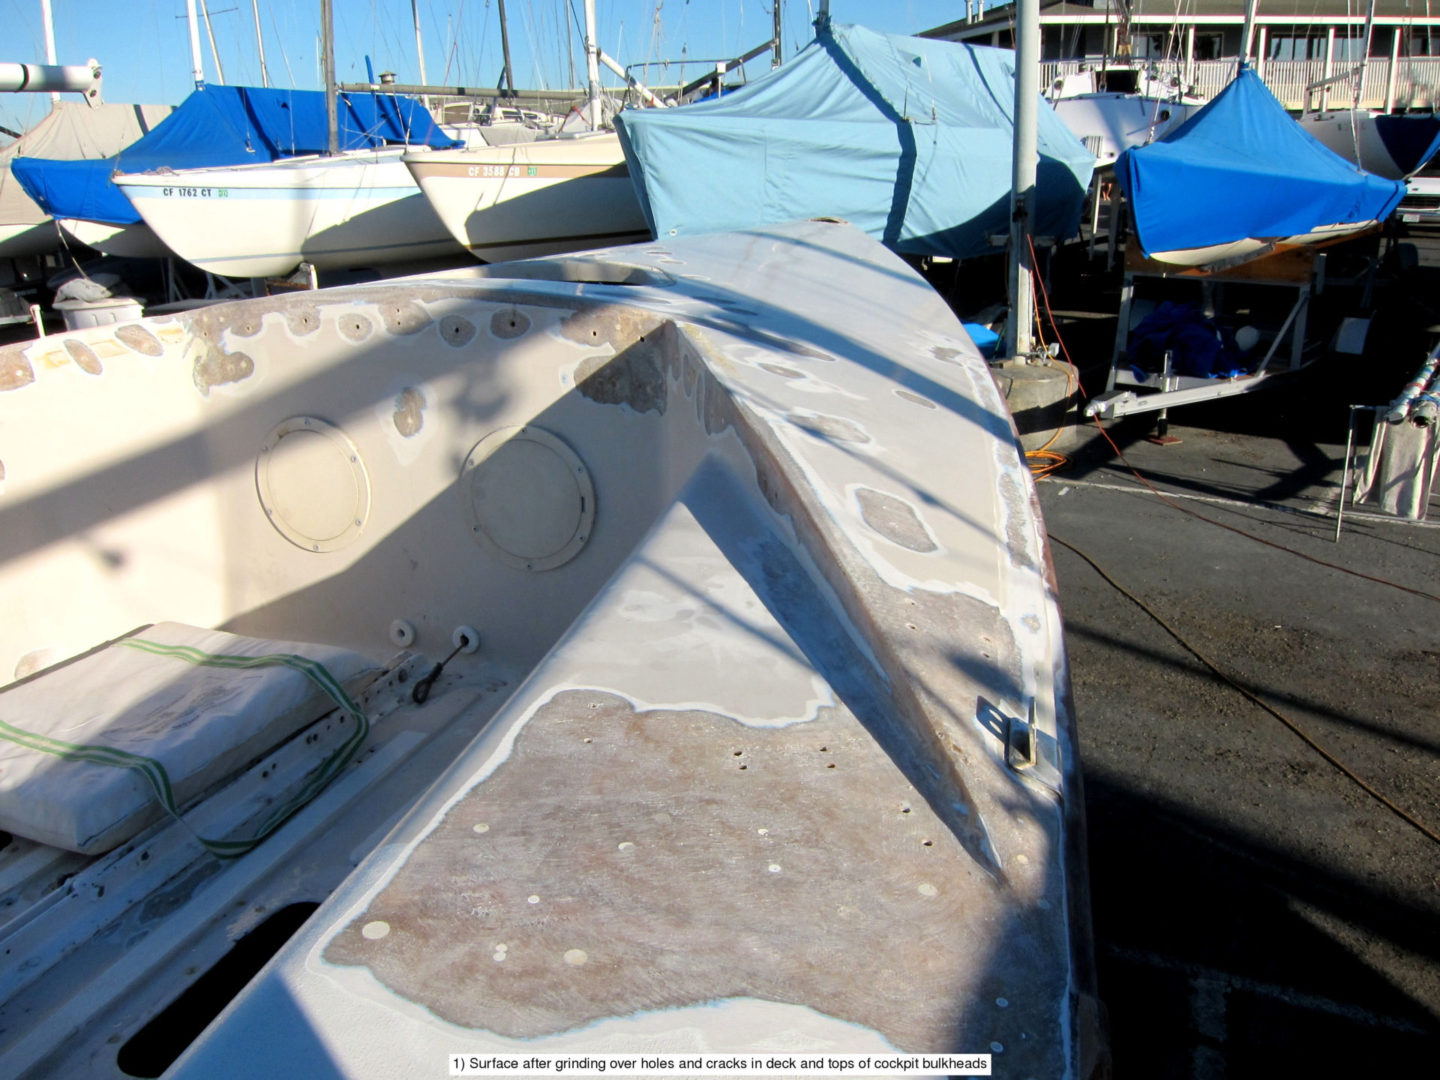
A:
(225, 125)
(1242, 168)
(906, 138)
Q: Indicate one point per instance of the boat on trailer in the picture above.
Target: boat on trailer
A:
(1240, 180)
(651, 650)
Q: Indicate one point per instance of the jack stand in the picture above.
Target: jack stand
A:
(1162, 436)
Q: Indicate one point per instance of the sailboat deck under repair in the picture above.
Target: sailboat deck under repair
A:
(766, 744)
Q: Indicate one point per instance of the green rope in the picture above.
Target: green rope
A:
(154, 772)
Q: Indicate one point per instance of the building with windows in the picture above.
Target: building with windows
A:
(1307, 51)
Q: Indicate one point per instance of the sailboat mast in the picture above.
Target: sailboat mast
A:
(47, 16)
(1364, 54)
(419, 45)
(197, 65)
(210, 33)
(260, 44)
(592, 66)
(1248, 33)
(505, 48)
(327, 72)
(1022, 176)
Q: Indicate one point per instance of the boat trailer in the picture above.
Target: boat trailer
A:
(1301, 272)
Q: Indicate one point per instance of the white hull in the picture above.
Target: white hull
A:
(1355, 136)
(125, 241)
(1110, 124)
(355, 210)
(1250, 247)
(767, 744)
(538, 198)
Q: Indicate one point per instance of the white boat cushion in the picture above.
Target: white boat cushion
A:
(186, 706)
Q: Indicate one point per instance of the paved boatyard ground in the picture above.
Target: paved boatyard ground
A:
(1256, 912)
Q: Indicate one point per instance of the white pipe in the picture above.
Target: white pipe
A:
(197, 66)
(70, 79)
(47, 16)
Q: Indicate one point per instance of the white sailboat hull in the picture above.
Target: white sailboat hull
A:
(1253, 246)
(1355, 135)
(538, 198)
(767, 743)
(357, 209)
(136, 241)
(1120, 121)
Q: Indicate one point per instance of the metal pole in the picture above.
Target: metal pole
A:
(592, 66)
(505, 48)
(1023, 167)
(48, 17)
(1247, 34)
(1364, 56)
(327, 73)
(570, 41)
(419, 45)
(210, 33)
(1345, 473)
(777, 58)
(260, 44)
(197, 65)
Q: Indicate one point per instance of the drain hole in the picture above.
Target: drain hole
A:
(152, 1049)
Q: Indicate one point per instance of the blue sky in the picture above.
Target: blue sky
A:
(143, 45)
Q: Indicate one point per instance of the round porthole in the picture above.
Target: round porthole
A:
(312, 484)
(529, 496)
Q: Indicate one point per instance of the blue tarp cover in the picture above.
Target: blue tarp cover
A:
(1242, 168)
(225, 125)
(906, 138)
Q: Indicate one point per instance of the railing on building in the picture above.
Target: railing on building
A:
(1415, 87)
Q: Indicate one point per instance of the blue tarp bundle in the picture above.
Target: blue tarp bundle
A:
(1242, 168)
(906, 138)
(225, 125)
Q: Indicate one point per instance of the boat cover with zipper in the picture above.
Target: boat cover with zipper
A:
(1242, 168)
(226, 125)
(906, 138)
